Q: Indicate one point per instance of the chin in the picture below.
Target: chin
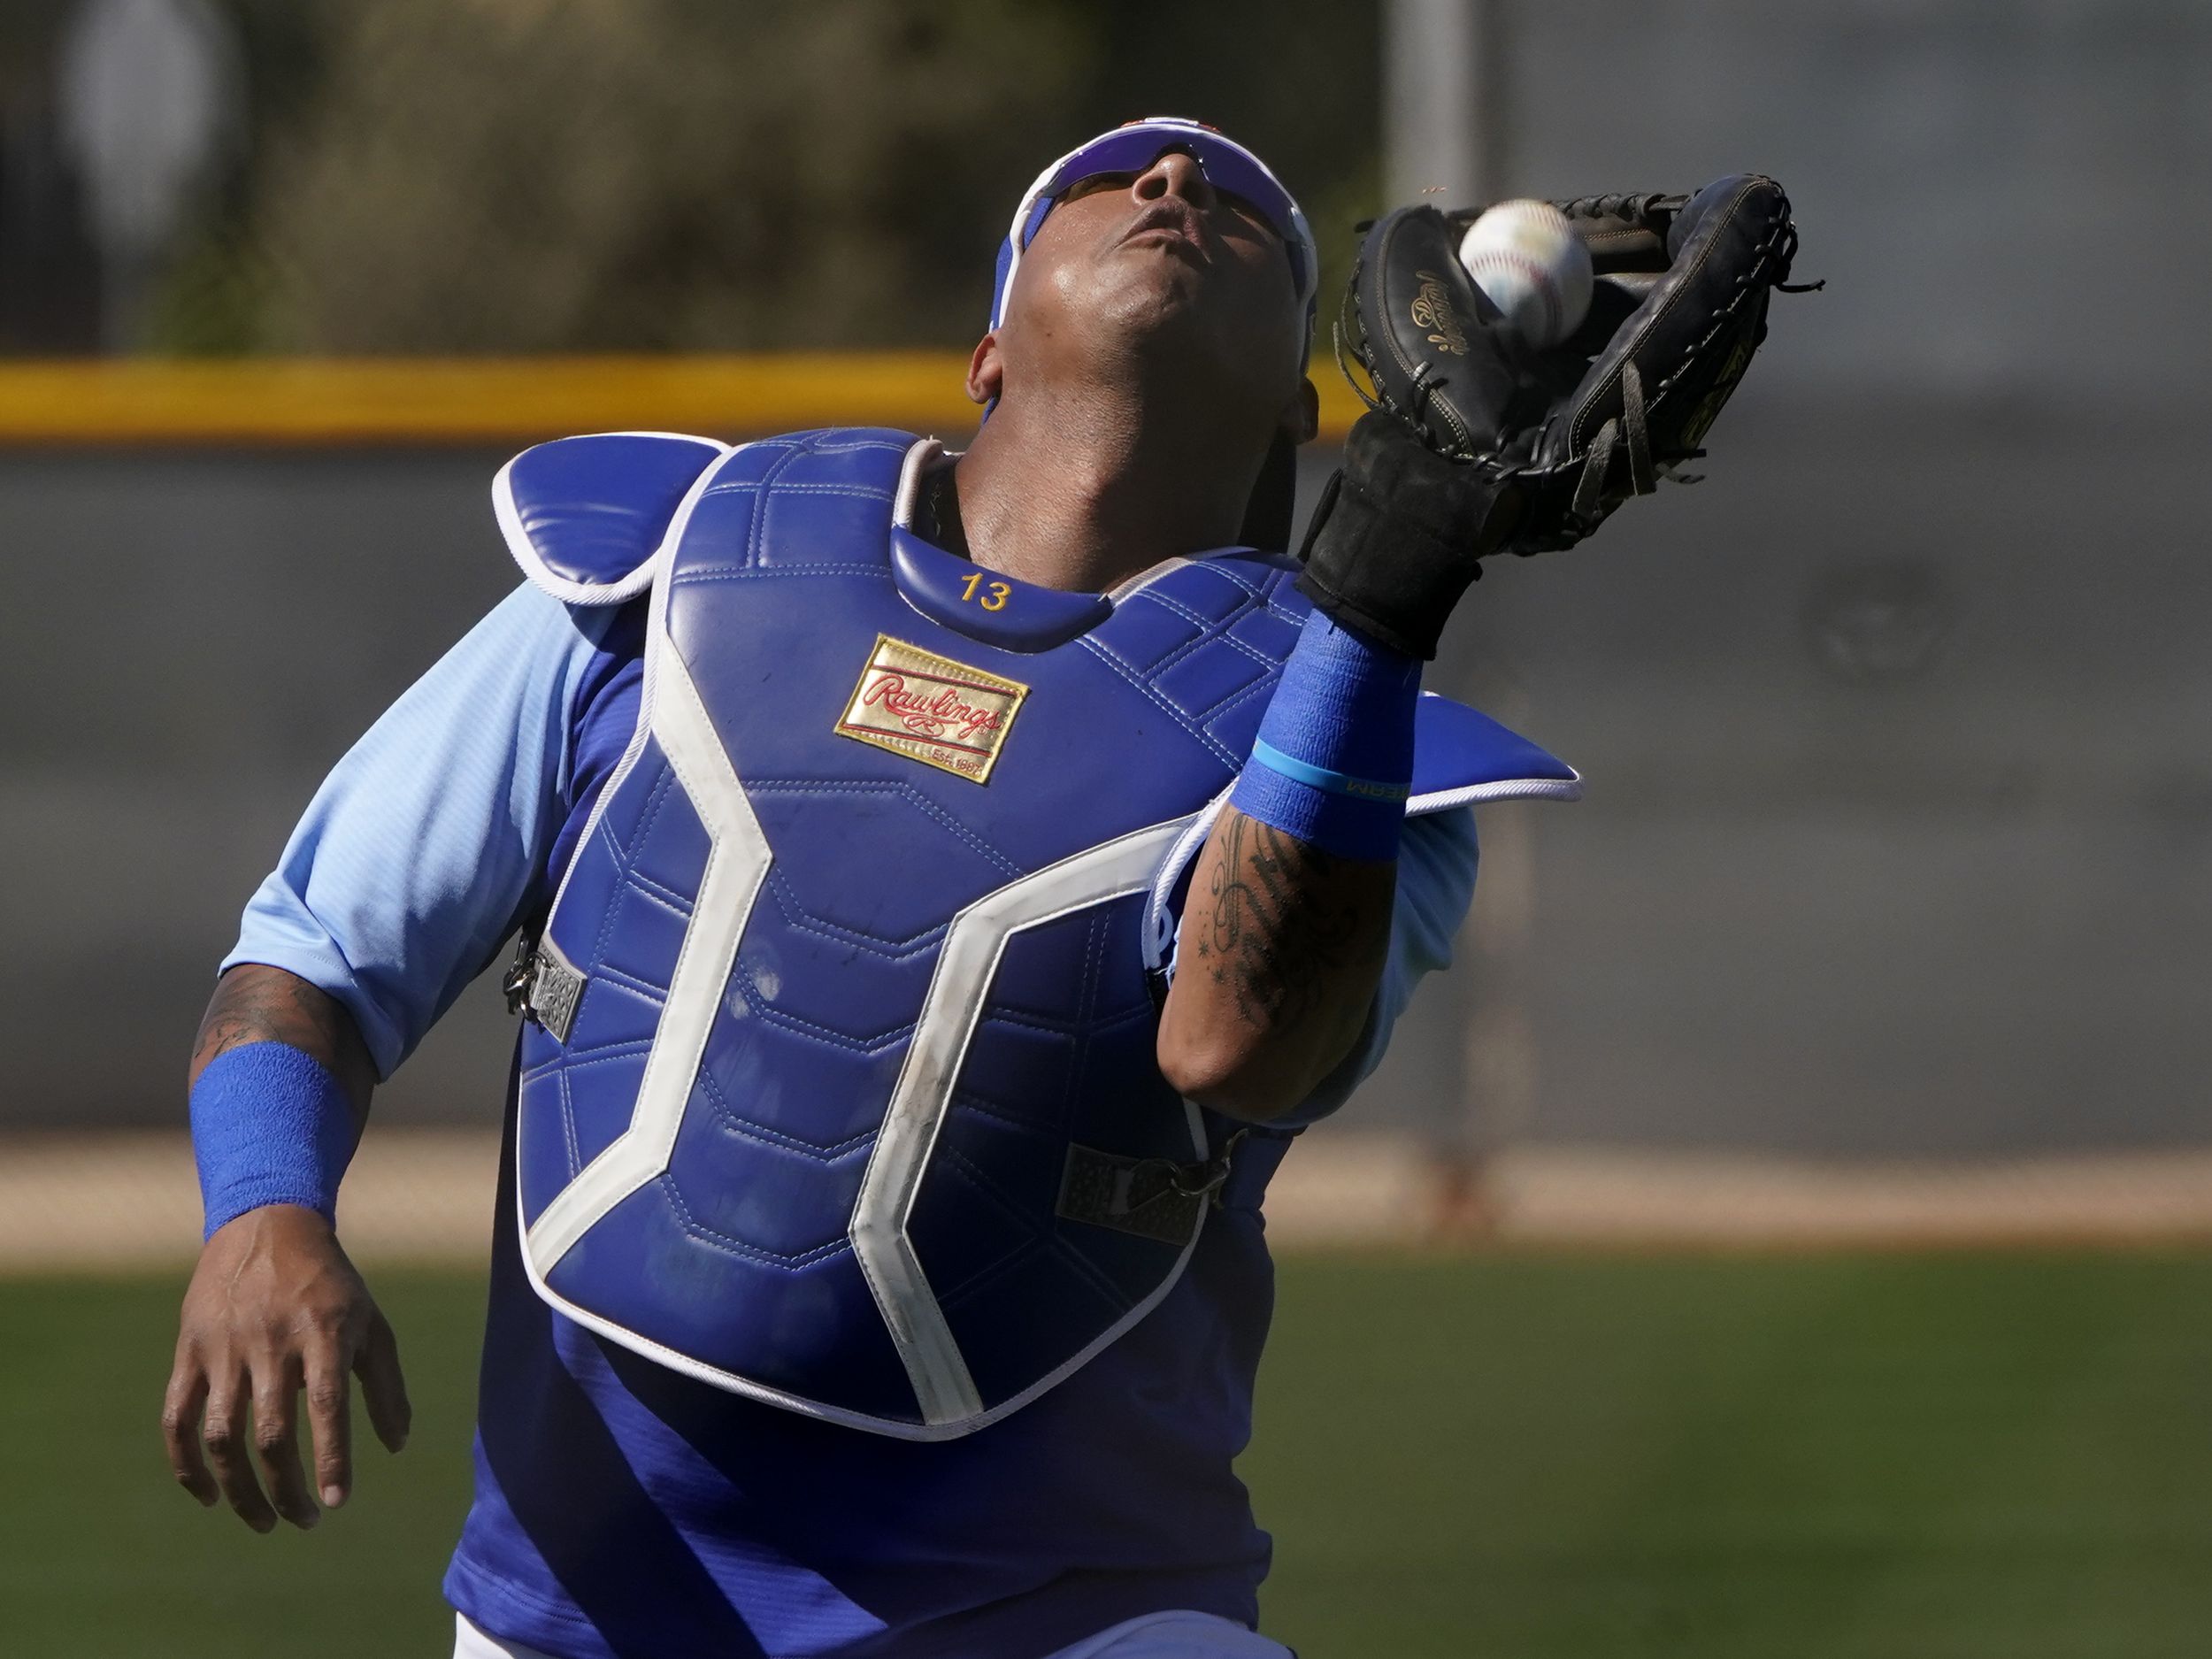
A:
(1177, 308)
(1164, 309)
(1139, 294)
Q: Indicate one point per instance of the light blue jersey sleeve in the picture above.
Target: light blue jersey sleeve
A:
(1436, 884)
(416, 854)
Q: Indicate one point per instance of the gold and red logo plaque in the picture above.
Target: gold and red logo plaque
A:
(931, 708)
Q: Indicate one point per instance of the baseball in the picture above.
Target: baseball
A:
(1527, 258)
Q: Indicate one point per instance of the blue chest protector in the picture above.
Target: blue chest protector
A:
(840, 1090)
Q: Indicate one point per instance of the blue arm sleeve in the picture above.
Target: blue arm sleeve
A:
(420, 851)
(1436, 884)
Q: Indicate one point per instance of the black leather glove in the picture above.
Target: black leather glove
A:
(1475, 444)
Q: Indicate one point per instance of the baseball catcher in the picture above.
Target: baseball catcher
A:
(944, 885)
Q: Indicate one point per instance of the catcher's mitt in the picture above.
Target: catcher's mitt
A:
(1678, 307)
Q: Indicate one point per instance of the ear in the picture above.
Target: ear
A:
(986, 370)
(1301, 416)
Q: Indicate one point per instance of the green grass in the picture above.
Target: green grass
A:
(103, 1555)
(1896, 1457)
(1887, 1456)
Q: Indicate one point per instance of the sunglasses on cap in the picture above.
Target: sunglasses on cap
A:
(1229, 168)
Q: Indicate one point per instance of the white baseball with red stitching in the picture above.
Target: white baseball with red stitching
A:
(1529, 263)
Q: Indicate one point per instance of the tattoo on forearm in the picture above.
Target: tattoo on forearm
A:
(1283, 935)
(254, 1004)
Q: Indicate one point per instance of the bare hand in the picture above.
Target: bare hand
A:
(276, 1307)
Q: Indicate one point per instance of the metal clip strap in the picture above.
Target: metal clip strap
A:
(1153, 1198)
(514, 984)
(542, 986)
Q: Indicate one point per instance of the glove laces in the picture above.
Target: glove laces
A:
(1626, 431)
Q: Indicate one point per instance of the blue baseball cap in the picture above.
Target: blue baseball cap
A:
(1132, 148)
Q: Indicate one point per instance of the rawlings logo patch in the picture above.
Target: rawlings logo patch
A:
(1431, 309)
(931, 708)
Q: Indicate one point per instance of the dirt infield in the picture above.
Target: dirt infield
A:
(129, 1201)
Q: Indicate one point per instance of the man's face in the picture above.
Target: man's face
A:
(1158, 262)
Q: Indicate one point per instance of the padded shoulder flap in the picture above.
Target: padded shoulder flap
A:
(1460, 754)
(585, 518)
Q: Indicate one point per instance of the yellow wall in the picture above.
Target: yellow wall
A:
(457, 400)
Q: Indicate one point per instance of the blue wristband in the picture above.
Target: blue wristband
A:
(270, 1125)
(1333, 761)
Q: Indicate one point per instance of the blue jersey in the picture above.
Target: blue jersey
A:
(624, 1508)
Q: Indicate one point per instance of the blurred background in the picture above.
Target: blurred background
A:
(1783, 1232)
